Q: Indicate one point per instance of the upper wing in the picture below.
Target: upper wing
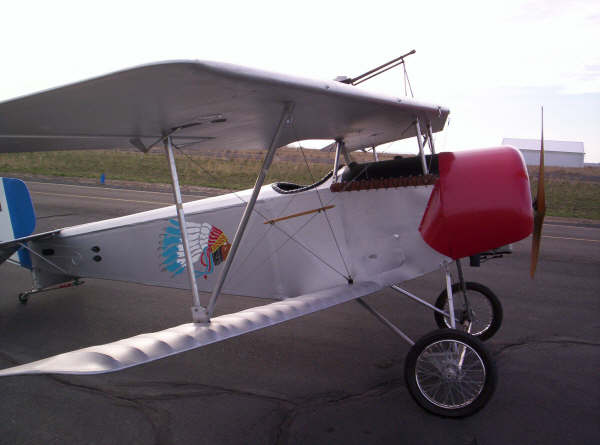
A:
(155, 345)
(224, 106)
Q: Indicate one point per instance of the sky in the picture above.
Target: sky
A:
(493, 64)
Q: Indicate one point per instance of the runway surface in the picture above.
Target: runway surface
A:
(334, 377)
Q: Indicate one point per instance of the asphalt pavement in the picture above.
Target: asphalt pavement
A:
(333, 377)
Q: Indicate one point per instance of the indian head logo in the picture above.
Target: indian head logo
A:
(208, 245)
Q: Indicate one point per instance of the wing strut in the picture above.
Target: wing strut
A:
(286, 117)
(336, 162)
(421, 149)
(430, 137)
(199, 314)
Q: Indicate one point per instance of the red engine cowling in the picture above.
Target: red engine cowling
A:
(481, 201)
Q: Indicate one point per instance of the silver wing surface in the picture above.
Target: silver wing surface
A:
(155, 345)
(219, 107)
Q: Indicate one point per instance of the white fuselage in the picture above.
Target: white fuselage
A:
(368, 235)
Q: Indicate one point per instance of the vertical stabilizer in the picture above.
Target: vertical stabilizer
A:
(17, 217)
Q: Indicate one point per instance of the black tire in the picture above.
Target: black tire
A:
(23, 297)
(481, 299)
(429, 373)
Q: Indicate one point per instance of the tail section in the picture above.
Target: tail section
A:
(17, 219)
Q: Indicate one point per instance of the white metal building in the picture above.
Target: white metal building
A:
(556, 153)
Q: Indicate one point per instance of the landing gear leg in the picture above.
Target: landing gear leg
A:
(463, 289)
(484, 308)
(479, 313)
(448, 372)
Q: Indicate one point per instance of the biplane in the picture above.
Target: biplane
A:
(361, 228)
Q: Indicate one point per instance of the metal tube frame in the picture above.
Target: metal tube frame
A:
(418, 300)
(450, 314)
(199, 314)
(421, 148)
(375, 70)
(24, 296)
(285, 119)
(448, 282)
(385, 321)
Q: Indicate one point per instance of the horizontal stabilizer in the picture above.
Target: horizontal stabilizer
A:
(7, 248)
(145, 348)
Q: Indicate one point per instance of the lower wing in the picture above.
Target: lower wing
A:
(152, 346)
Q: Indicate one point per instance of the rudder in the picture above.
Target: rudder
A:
(17, 216)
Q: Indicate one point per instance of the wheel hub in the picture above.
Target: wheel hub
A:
(463, 316)
(451, 373)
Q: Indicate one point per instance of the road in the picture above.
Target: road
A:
(334, 377)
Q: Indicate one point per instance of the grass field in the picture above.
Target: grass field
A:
(570, 192)
(232, 170)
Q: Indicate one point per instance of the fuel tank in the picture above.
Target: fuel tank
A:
(481, 201)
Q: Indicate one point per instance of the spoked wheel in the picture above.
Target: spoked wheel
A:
(485, 310)
(450, 373)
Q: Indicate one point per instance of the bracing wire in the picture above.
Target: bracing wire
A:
(56, 266)
(290, 237)
(331, 201)
(337, 245)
